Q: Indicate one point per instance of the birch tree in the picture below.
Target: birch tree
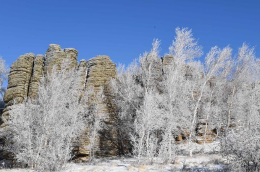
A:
(180, 85)
(127, 98)
(94, 117)
(242, 139)
(244, 71)
(3, 73)
(41, 131)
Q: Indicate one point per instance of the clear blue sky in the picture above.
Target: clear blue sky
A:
(123, 29)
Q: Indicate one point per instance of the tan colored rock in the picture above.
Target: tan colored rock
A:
(37, 74)
(100, 70)
(27, 71)
(19, 79)
(166, 60)
(18, 83)
(82, 74)
(72, 56)
(55, 56)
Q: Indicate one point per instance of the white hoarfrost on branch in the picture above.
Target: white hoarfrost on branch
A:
(41, 130)
(154, 102)
(3, 73)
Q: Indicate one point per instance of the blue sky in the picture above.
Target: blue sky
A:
(123, 29)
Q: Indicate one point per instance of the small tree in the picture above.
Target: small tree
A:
(95, 115)
(242, 140)
(41, 131)
(3, 74)
(127, 97)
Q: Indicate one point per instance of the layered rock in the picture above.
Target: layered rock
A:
(17, 90)
(55, 56)
(18, 82)
(100, 70)
(27, 71)
(19, 79)
(36, 76)
(72, 57)
(82, 75)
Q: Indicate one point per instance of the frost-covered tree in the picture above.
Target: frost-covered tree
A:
(3, 73)
(134, 90)
(40, 131)
(127, 97)
(151, 68)
(216, 70)
(145, 144)
(241, 141)
(158, 103)
(94, 117)
(245, 71)
(182, 79)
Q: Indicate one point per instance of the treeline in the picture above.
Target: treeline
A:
(154, 102)
(158, 102)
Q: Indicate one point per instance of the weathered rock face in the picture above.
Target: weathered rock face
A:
(72, 56)
(100, 71)
(167, 59)
(19, 79)
(55, 56)
(17, 90)
(18, 82)
(82, 74)
(36, 76)
(27, 71)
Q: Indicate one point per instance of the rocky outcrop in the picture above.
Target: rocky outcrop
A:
(72, 57)
(17, 90)
(82, 75)
(18, 82)
(19, 79)
(27, 71)
(55, 56)
(100, 70)
(36, 76)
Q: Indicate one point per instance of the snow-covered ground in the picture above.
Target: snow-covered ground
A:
(182, 163)
(211, 160)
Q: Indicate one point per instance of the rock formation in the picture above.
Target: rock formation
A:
(55, 56)
(99, 70)
(27, 71)
(19, 79)
(36, 75)
(18, 82)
